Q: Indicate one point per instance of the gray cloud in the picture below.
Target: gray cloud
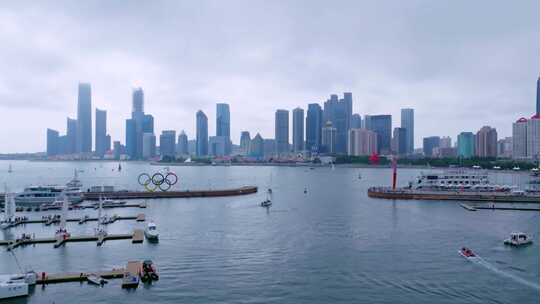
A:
(461, 65)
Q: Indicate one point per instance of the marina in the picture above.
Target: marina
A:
(56, 219)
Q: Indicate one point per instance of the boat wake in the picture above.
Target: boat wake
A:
(479, 261)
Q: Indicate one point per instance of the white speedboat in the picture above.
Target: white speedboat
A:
(518, 239)
(151, 231)
(17, 285)
(95, 279)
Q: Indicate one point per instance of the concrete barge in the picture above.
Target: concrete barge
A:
(411, 194)
(94, 196)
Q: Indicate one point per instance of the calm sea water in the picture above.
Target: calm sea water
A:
(331, 245)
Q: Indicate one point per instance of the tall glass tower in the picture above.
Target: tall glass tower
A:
(223, 124)
(202, 134)
(84, 119)
(298, 129)
(407, 122)
(101, 132)
(282, 131)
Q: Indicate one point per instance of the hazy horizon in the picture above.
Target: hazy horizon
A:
(460, 65)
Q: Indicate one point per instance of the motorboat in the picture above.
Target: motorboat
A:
(151, 231)
(467, 253)
(16, 285)
(95, 279)
(266, 203)
(149, 272)
(496, 168)
(516, 168)
(518, 239)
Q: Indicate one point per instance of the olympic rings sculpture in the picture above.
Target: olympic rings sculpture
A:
(159, 180)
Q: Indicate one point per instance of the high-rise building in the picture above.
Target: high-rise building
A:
(84, 119)
(256, 148)
(269, 147)
(202, 134)
(486, 142)
(117, 149)
(314, 124)
(533, 138)
(538, 96)
(446, 142)
(504, 147)
(131, 138)
(399, 141)
(282, 131)
(217, 145)
(101, 132)
(430, 143)
(223, 125)
(356, 121)
(167, 143)
(339, 113)
(329, 138)
(149, 145)
(245, 140)
(465, 145)
(53, 142)
(382, 125)
(182, 146)
(519, 139)
(138, 124)
(407, 122)
(298, 130)
(137, 103)
(362, 142)
(71, 136)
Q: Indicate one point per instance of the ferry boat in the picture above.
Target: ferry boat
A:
(457, 180)
(37, 195)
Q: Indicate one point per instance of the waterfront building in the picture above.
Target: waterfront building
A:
(533, 138)
(519, 139)
(407, 122)
(356, 121)
(269, 147)
(538, 96)
(329, 138)
(430, 143)
(382, 126)
(167, 143)
(362, 142)
(298, 130)
(131, 138)
(486, 142)
(256, 148)
(149, 145)
(101, 132)
(399, 141)
(245, 140)
(445, 152)
(71, 136)
(446, 142)
(182, 147)
(117, 149)
(84, 119)
(223, 124)
(217, 145)
(504, 147)
(53, 142)
(192, 146)
(282, 132)
(137, 125)
(202, 134)
(465, 145)
(314, 125)
(339, 113)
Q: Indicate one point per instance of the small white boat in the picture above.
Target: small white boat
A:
(268, 201)
(516, 168)
(95, 279)
(518, 239)
(151, 231)
(496, 168)
(17, 285)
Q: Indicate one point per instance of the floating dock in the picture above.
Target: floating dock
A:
(132, 268)
(409, 194)
(496, 207)
(132, 274)
(136, 237)
(94, 196)
(52, 220)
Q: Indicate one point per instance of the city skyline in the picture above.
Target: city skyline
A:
(209, 64)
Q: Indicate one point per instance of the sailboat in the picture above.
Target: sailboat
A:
(268, 201)
(100, 230)
(62, 233)
(119, 167)
(9, 210)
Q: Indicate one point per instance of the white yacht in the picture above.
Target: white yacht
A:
(17, 285)
(37, 195)
(151, 231)
(471, 180)
(518, 239)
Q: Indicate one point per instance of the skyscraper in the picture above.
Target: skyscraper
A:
(84, 119)
(431, 143)
(407, 122)
(446, 142)
(399, 141)
(167, 143)
(282, 131)
(137, 125)
(217, 145)
(101, 132)
(71, 136)
(486, 142)
(314, 124)
(137, 103)
(298, 130)
(245, 140)
(519, 139)
(149, 146)
(382, 125)
(329, 138)
(465, 144)
(53, 142)
(256, 148)
(339, 113)
(202, 134)
(362, 142)
(538, 96)
(182, 146)
(356, 121)
(223, 124)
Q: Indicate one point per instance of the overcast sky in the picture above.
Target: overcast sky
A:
(459, 64)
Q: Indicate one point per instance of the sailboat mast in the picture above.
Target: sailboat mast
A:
(65, 207)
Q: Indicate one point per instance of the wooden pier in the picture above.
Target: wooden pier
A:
(132, 268)
(132, 274)
(49, 221)
(136, 237)
(496, 207)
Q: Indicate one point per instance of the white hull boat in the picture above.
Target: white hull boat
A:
(151, 231)
(12, 286)
(518, 239)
